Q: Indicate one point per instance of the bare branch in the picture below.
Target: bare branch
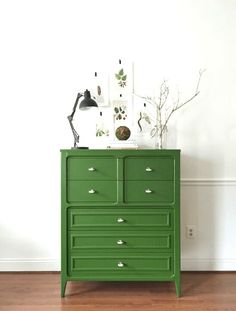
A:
(167, 119)
(147, 99)
(164, 93)
(184, 103)
(176, 105)
(201, 71)
(187, 101)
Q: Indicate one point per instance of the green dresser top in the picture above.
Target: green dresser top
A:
(121, 151)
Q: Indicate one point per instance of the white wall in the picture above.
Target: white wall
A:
(48, 50)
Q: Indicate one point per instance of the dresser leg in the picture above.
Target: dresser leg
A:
(63, 287)
(178, 288)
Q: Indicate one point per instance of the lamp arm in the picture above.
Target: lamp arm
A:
(70, 119)
(75, 105)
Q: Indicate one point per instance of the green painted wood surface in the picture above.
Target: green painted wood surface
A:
(91, 191)
(154, 241)
(149, 168)
(149, 191)
(162, 264)
(91, 168)
(93, 218)
(151, 227)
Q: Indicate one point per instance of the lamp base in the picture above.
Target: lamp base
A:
(79, 147)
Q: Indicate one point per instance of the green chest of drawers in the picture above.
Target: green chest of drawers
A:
(120, 216)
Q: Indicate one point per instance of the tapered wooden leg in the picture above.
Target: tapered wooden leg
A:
(178, 288)
(63, 287)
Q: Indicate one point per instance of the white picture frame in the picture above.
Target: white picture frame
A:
(100, 90)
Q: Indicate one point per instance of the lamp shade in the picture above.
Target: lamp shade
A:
(87, 102)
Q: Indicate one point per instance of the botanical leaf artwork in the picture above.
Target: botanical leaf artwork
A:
(98, 87)
(143, 116)
(99, 90)
(102, 132)
(121, 77)
(101, 127)
(120, 112)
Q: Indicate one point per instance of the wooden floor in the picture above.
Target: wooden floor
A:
(41, 291)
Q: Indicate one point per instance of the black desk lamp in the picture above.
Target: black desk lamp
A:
(86, 103)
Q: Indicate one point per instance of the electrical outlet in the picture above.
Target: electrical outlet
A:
(191, 231)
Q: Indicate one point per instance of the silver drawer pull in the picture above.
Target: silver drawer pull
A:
(91, 169)
(120, 220)
(148, 169)
(148, 191)
(91, 191)
(120, 264)
(120, 242)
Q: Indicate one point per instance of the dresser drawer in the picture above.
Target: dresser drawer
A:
(120, 219)
(149, 191)
(92, 191)
(120, 241)
(91, 168)
(149, 168)
(126, 265)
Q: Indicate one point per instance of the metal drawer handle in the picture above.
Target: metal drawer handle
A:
(148, 191)
(120, 220)
(120, 242)
(91, 169)
(91, 191)
(148, 169)
(120, 264)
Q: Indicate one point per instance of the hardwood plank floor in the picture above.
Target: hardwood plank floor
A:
(41, 292)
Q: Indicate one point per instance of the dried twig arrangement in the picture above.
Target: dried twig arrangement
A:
(161, 106)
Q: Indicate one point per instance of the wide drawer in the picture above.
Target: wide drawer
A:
(91, 168)
(149, 168)
(123, 265)
(120, 219)
(91, 191)
(119, 241)
(149, 191)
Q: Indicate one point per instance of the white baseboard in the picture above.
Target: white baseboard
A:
(29, 264)
(208, 264)
(53, 264)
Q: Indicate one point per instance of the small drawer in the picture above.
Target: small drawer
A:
(149, 192)
(92, 191)
(121, 241)
(120, 219)
(79, 168)
(149, 168)
(127, 265)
